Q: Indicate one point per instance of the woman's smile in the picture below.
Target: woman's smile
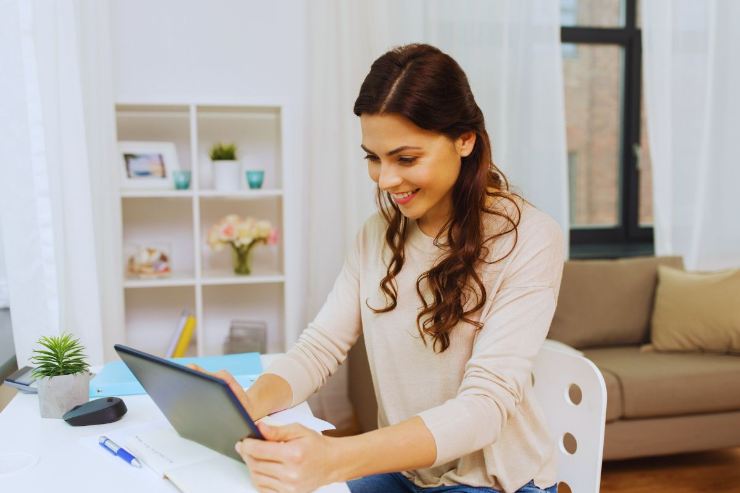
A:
(404, 198)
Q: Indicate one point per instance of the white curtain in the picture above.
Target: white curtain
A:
(4, 297)
(692, 76)
(510, 51)
(56, 118)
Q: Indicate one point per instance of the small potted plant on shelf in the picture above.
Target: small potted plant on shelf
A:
(242, 235)
(226, 172)
(62, 373)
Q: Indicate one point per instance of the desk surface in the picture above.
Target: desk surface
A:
(65, 464)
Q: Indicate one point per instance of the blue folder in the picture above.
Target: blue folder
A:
(115, 379)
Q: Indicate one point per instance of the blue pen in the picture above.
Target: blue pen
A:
(114, 449)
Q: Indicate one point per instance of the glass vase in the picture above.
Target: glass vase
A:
(242, 259)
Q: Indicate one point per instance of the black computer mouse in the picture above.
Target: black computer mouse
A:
(96, 412)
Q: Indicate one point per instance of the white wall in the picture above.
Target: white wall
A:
(223, 51)
(220, 50)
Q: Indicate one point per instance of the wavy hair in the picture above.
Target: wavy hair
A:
(429, 88)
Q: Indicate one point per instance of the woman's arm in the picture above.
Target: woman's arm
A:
(405, 446)
(294, 458)
(268, 394)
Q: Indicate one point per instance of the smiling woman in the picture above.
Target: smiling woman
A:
(453, 285)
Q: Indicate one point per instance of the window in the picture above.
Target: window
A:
(609, 168)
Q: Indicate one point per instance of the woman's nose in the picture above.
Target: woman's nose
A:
(388, 178)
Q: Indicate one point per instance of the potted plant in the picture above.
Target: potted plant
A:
(62, 373)
(226, 170)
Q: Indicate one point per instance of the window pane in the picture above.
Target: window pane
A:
(593, 102)
(592, 13)
(646, 174)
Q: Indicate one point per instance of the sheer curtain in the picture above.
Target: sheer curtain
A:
(56, 118)
(4, 297)
(692, 76)
(510, 51)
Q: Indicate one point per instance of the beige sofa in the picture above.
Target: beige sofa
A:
(657, 403)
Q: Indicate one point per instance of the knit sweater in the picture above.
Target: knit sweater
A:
(476, 398)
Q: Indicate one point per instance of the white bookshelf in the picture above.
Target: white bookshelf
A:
(202, 280)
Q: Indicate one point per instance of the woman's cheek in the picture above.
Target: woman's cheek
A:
(374, 172)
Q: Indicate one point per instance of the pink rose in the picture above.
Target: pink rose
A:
(272, 239)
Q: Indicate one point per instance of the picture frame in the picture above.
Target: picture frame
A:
(147, 164)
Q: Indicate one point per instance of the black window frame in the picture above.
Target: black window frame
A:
(628, 238)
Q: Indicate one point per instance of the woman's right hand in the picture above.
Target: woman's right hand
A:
(233, 385)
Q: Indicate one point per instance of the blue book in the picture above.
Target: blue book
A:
(115, 379)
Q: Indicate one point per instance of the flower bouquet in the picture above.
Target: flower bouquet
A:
(241, 235)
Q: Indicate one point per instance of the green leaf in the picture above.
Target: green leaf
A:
(59, 355)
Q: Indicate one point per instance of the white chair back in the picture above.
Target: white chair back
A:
(572, 393)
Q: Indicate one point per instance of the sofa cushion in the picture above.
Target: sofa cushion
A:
(613, 396)
(607, 302)
(696, 311)
(671, 384)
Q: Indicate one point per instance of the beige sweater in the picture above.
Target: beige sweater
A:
(476, 398)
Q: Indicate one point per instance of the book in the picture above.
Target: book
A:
(115, 379)
(194, 468)
(177, 334)
(187, 334)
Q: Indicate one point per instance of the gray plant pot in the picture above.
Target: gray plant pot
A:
(57, 395)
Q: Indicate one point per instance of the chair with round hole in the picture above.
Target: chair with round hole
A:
(572, 393)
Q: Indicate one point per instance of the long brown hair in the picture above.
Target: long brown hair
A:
(429, 88)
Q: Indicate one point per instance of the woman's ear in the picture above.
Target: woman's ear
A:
(465, 144)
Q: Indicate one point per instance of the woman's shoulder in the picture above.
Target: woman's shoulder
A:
(522, 226)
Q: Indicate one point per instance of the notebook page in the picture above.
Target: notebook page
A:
(163, 450)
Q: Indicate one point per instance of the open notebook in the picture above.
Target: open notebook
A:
(193, 468)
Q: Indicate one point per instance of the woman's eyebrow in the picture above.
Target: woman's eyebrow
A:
(394, 151)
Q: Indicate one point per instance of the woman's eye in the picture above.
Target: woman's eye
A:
(407, 159)
(371, 158)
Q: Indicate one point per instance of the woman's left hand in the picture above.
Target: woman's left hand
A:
(292, 458)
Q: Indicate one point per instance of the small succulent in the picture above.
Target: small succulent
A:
(223, 152)
(59, 355)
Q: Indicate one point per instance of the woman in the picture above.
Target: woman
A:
(453, 285)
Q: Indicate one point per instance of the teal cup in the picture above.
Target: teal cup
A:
(255, 178)
(182, 179)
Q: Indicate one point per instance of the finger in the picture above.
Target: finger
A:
(198, 368)
(283, 433)
(275, 470)
(261, 450)
(235, 387)
(266, 483)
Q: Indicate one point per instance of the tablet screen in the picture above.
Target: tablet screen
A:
(200, 407)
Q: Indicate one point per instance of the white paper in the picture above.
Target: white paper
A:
(299, 414)
(194, 468)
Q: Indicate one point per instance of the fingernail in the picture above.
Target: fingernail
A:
(238, 447)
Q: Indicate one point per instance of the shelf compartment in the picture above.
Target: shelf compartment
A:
(163, 123)
(266, 259)
(221, 304)
(152, 316)
(255, 131)
(153, 222)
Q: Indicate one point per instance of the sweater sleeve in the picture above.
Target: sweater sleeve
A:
(499, 368)
(324, 344)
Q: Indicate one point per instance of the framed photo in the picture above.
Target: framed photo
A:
(147, 165)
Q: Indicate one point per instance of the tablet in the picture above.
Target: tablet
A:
(200, 407)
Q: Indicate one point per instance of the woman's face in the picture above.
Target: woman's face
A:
(417, 167)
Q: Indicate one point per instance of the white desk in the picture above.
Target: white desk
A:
(65, 464)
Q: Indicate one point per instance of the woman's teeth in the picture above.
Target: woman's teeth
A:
(405, 194)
